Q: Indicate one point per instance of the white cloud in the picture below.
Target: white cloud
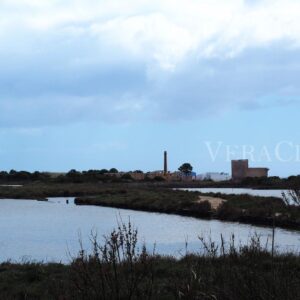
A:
(152, 36)
(165, 31)
(122, 60)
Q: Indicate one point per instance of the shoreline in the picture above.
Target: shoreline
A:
(265, 223)
(234, 208)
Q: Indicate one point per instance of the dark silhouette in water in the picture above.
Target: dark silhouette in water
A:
(67, 201)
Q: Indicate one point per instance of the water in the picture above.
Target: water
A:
(239, 191)
(11, 185)
(49, 231)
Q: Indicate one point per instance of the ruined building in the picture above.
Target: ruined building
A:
(240, 170)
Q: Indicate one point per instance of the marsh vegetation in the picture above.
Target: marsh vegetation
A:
(118, 268)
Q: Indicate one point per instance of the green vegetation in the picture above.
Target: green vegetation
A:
(258, 210)
(273, 182)
(33, 280)
(73, 176)
(44, 190)
(186, 168)
(114, 176)
(113, 170)
(41, 190)
(155, 200)
(121, 269)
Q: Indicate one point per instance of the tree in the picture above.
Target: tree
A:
(113, 170)
(186, 168)
(73, 173)
(103, 171)
(126, 176)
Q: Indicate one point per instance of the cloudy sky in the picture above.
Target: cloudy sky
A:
(98, 84)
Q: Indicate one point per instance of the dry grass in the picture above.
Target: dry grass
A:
(215, 202)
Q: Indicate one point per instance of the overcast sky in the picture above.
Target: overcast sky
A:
(92, 84)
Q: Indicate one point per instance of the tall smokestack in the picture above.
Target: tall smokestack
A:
(165, 163)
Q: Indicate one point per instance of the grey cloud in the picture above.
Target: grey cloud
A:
(258, 78)
(83, 79)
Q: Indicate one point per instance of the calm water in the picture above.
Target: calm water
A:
(11, 185)
(263, 193)
(239, 191)
(48, 231)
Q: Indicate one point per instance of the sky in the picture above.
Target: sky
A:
(92, 84)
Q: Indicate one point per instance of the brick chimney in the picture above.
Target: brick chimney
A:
(165, 163)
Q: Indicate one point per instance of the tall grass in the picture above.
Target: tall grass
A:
(118, 269)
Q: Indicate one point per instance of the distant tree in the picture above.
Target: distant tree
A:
(186, 168)
(23, 175)
(13, 172)
(73, 171)
(74, 176)
(113, 170)
(3, 175)
(126, 176)
(103, 171)
(158, 178)
(138, 171)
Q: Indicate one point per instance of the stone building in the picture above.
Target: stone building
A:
(240, 170)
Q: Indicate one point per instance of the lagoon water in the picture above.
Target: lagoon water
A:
(239, 191)
(50, 231)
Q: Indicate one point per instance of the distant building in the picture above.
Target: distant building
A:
(137, 175)
(240, 170)
(214, 176)
(187, 176)
(153, 174)
(158, 174)
(54, 174)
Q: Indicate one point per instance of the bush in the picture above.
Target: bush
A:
(116, 270)
(126, 176)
